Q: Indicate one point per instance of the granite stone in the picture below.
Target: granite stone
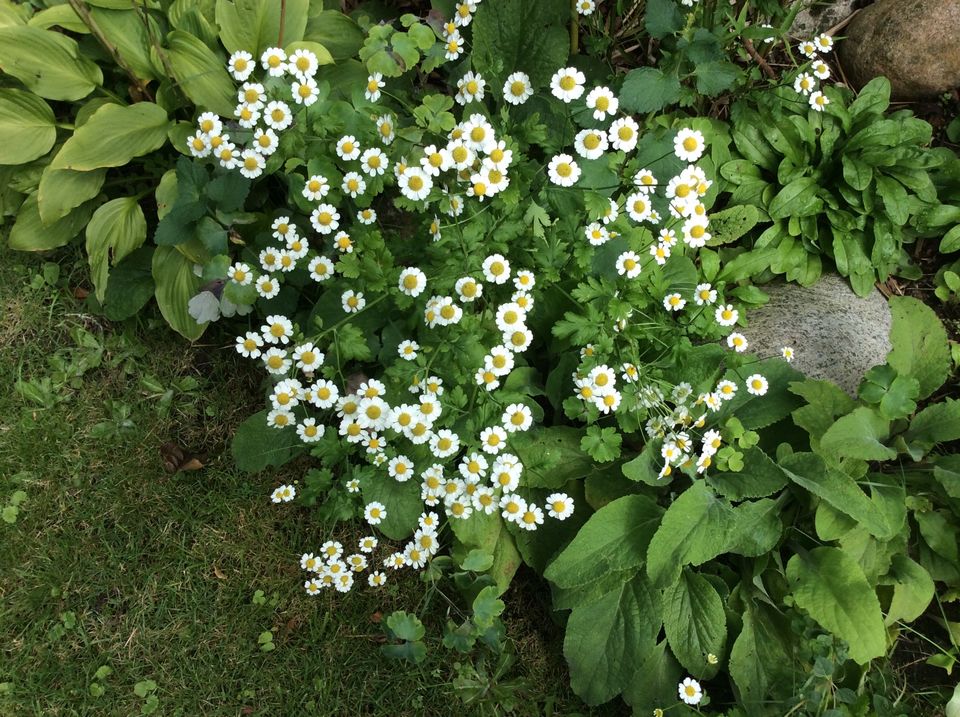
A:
(819, 17)
(915, 43)
(837, 335)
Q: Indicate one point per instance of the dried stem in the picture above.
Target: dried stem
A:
(767, 70)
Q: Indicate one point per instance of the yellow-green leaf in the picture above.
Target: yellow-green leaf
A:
(254, 25)
(201, 73)
(116, 229)
(113, 136)
(128, 31)
(61, 190)
(60, 16)
(176, 285)
(830, 585)
(27, 126)
(48, 63)
(30, 234)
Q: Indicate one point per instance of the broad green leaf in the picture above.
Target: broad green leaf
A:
(201, 73)
(487, 607)
(695, 529)
(176, 285)
(131, 285)
(873, 99)
(254, 25)
(115, 230)
(730, 224)
(831, 587)
(255, 444)
(27, 125)
(61, 16)
(13, 14)
(825, 401)
(518, 35)
(797, 199)
(607, 639)
(654, 681)
(551, 456)
(29, 233)
(694, 622)
(48, 63)
(919, 343)
(756, 412)
(662, 18)
(760, 477)
(337, 32)
(716, 77)
(647, 89)
(402, 501)
(946, 470)
(937, 423)
(61, 190)
(130, 33)
(615, 538)
(760, 658)
(809, 471)
(859, 434)
(405, 626)
(912, 590)
(113, 136)
(756, 528)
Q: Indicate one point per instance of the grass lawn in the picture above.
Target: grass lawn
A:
(113, 563)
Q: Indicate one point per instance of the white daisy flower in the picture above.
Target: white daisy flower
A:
(517, 89)
(563, 170)
(567, 84)
(603, 103)
(240, 65)
(375, 83)
(689, 145)
(273, 60)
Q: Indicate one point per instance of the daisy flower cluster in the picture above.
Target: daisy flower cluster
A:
(329, 567)
(262, 115)
(806, 83)
(454, 44)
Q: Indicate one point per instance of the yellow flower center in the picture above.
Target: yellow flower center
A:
(274, 362)
(629, 264)
(448, 312)
(460, 154)
(479, 189)
(240, 64)
(603, 103)
(517, 419)
(274, 61)
(625, 133)
(591, 141)
(251, 95)
(304, 90)
(415, 183)
(477, 134)
(473, 87)
(410, 281)
(278, 115)
(517, 88)
(250, 163)
(690, 144)
(558, 506)
(386, 129)
(567, 83)
(324, 218)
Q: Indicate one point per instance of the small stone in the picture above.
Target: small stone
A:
(915, 43)
(837, 336)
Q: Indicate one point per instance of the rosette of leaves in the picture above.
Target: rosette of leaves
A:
(97, 98)
(852, 183)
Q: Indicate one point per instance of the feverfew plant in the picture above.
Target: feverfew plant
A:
(472, 303)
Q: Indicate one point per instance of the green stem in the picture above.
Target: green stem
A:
(574, 28)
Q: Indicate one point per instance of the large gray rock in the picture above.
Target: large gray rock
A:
(916, 43)
(837, 335)
(821, 16)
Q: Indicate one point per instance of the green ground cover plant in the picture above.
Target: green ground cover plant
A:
(494, 289)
